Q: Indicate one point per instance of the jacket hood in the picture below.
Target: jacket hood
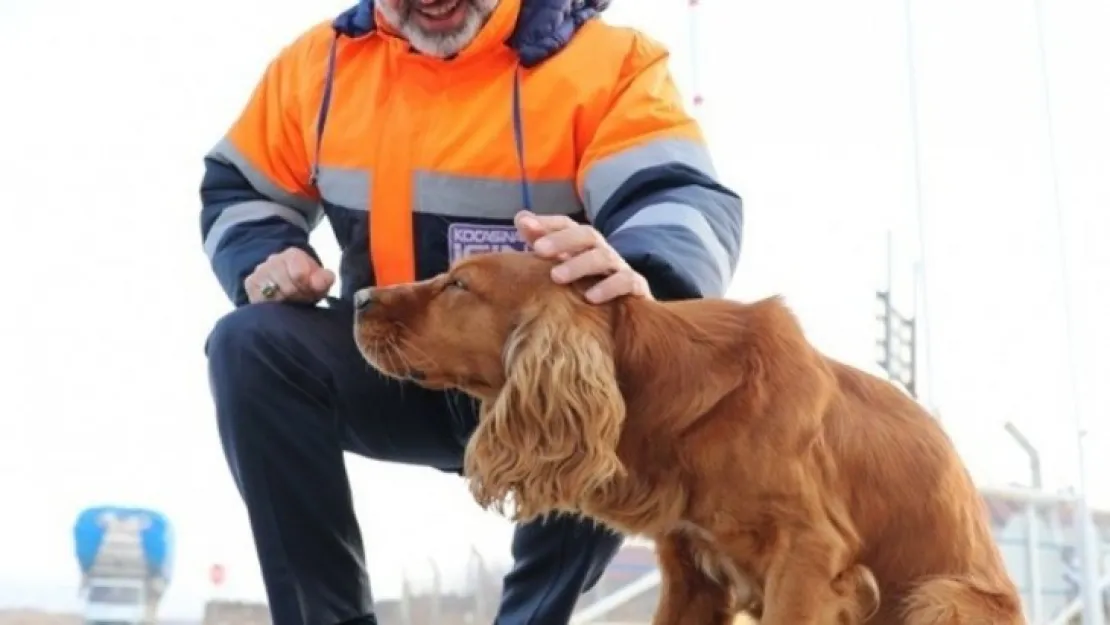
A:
(543, 27)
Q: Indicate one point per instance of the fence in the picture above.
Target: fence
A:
(1037, 534)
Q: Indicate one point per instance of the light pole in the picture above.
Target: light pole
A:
(1032, 536)
(1030, 450)
(1087, 542)
(923, 329)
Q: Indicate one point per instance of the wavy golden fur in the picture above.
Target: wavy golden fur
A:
(774, 480)
(575, 452)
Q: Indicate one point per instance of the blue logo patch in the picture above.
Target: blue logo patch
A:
(468, 239)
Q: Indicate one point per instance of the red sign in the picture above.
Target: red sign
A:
(216, 574)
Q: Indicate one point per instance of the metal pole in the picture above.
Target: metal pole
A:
(921, 307)
(1033, 538)
(479, 584)
(437, 591)
(890, 261)
(406, 599)
(891, 351)
(1087, 542)
(1033, 558)
(1030, 450)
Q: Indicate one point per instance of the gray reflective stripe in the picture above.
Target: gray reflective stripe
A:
(228, 154)
(464, 196)
(344, 187)
(608, 174)
(675, 214)
(244, 212)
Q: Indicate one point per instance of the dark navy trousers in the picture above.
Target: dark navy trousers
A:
(291, 394)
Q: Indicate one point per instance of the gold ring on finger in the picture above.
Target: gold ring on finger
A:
(269, 290)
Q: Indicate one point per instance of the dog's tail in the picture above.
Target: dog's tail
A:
(962, 601)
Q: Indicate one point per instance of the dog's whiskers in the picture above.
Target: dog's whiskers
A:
(421, 357)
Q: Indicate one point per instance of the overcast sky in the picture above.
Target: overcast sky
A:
(108, 107)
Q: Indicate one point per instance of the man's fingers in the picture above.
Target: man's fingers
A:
(322, 281)
(532, 226)
(570, 241)
(296, 275)
(529, 227)
(300, 269)
(253, 288)
(259, 280)
(599, 261)
(552, 223)
(273, 271)
(622, 283)
(279, 275)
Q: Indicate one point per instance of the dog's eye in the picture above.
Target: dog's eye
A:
(456, 284)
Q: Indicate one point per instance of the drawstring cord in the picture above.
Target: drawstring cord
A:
(325, 104)
(518, 134)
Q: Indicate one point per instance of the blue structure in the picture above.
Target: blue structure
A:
(154, 529)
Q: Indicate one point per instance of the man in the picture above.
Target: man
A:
(421, 128)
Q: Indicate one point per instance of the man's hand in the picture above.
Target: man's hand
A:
(289, 276)
(583, 252)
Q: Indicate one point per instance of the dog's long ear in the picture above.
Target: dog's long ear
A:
(549, 439)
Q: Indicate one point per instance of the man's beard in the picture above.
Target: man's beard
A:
(442, 44)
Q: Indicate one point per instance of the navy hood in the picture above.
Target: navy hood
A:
(542, 29)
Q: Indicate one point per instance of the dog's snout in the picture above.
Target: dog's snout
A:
(364, 298)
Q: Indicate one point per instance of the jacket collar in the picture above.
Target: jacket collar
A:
(542, 28)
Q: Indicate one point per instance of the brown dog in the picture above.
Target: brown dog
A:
(772, 478)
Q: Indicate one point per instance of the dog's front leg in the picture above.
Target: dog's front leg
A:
(811, 583)
(688, 595)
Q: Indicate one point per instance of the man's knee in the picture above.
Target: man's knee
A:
(258, 366)
(243, 331)
(235, 328)
(245, 344)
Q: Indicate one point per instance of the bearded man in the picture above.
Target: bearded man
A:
(425, 131)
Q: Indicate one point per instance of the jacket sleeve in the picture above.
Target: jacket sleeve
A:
(649, 185)
(256, 198)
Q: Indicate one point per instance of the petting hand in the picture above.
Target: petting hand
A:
(583, 252)
(289, 276)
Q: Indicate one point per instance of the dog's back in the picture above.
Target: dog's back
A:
(886, 465)
(924, 527)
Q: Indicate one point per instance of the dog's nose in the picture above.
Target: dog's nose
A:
(363, 299)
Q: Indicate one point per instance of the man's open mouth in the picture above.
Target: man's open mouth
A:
(438, 10)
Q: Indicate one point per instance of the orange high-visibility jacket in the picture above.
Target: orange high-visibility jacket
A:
(417, 161)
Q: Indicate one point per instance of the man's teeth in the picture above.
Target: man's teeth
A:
(440, 10)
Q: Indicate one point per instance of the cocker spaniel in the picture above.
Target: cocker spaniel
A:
(773, 479)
